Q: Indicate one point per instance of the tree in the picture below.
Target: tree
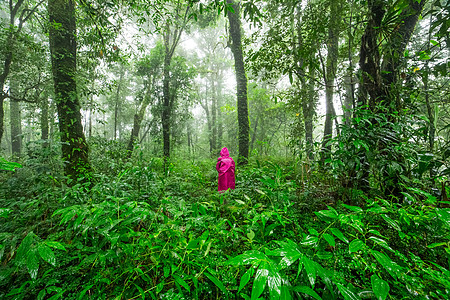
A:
(17, 14)
(330, 71)
(241, 80)
(149, 68)
(63, 50)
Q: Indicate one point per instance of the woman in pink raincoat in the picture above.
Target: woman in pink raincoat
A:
(225, 166)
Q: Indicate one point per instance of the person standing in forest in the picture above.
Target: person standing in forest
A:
(226, 167)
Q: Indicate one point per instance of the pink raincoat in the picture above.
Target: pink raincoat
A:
(225, 166)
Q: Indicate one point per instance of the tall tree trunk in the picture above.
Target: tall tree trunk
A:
(16, 126)
(213, 117)
(166, 107)
(241, 81)
(393, 56)
(308, 105)
(331, 67)
(44, 121)
(117, 102)
(63, 50)
(369, 58)
(138, 117)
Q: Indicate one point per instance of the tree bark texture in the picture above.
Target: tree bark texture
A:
(241, 81)
(63, 49)
(331, 67)
(398, 40)
(44, 121)
(369, 61)
(16, 126)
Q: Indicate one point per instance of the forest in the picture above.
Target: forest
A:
(114, 114)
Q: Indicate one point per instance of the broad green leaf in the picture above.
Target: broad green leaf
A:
(32, 264)
(391, 222)
(260, 281)
(337, 233)
(346, 293)
(47, 254)
(326, 213)
(386, 262)
(248, 257)
(330, 239)
(380, 287)
(288, 251)
(444, 215)
(353, 208)
(8, 165)
(141, 291)
(274, 283)
(24, 248)
(245, 278)
(310, 240)
(55, 245)
(285, 293)
(308, 291)
(216, 281)
(356, 245)
(159, 287)
(181, 282)
(310, 270)
(381, 242)
(41, 294)
(251, 235)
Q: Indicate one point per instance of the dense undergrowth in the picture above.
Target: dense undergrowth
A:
(140, 233)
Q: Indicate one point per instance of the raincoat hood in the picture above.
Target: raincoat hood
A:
(224, 152)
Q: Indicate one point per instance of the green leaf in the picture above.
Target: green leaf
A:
(141, 291)
(274, 283)
(346, 293)
(32, 264)
(380, 287)
(83, 292)
(248, 257)
(41, 294)
(327, 214)
(245, 278)
(181, 282)
(308, 291)
(310, 240)
(216, 282)
(436, 245)
(381, 242)
(7, 165)
(353, 208)
(55, 245)
(337, 233)
(330, 239)
(391, 222)
(387, 263)
(444, 215)
(310, 270)
(24, 248)
(259, 284)
(159, 287)
(251, 235)
(356, 245)
(47, 254)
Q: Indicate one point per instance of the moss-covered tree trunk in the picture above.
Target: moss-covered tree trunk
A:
(241, 81)
(63, 49)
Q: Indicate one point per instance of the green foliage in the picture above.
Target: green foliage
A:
(142, 234)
